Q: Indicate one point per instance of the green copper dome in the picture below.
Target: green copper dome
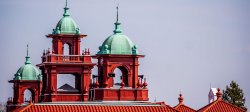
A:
(28, 71)
(118, 43)
(66, 25)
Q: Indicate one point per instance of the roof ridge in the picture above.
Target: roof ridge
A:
(208, 106)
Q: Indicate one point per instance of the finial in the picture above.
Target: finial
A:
(145, 84)
(66, 9)
(27, 56)
(44, 52)
(219, 94)
(27, 50)
(117, 13)
(82, 52)
(85, 52)
(180, 99)
(117, 23)
(139, 85)
(66, 4)
(48, 51)
(88, 52)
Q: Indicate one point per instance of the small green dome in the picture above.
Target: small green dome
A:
(66, 25)
(118, 44)
(28, 71)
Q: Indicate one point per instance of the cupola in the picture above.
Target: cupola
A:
(118, 43)
(28, 71)
(66, 25)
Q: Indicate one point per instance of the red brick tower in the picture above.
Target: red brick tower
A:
(58, 62)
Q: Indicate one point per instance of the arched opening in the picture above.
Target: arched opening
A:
(68, 82)
(117, 78)
(121, 73)
(66, 49)
(28, 95)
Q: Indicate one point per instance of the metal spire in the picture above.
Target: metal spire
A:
(66, 4)
(27, 56)
(66, 9)
(117, 13)
(117, 23)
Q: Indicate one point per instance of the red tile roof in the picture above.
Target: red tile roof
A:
(96, 108)
(220, 106)
(184, 108)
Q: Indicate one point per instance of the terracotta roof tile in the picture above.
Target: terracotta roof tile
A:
(97, 108)
(221, 106)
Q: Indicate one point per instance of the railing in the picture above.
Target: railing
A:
(65, 58)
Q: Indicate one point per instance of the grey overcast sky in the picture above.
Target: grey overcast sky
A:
(189, 44)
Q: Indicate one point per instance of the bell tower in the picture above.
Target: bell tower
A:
(119, 52)
(59, 61)
(66, 32)
(27, 78)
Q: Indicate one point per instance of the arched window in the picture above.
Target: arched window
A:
(121, 73)
(66, 49)
(117, 78)
(28, 95)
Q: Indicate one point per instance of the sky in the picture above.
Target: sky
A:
(190, 45)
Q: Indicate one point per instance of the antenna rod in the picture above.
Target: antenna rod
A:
(27, 50)
(117, 13)
(66, 3)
